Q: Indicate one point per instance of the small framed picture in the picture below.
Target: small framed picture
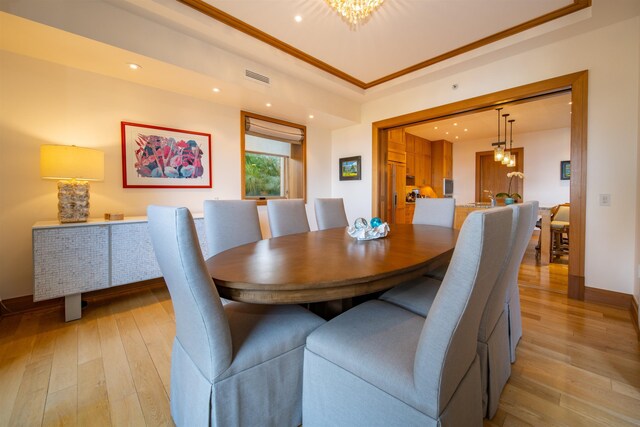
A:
(160, 157)
(350, 168)
(565, 170)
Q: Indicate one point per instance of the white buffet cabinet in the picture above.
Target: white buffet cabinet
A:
(69, 259)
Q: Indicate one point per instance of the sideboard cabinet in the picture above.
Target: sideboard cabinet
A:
(69, 259)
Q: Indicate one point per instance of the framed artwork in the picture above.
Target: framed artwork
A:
(565, 170)
(159, 157)
(350, 168)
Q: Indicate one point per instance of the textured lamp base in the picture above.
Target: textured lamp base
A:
(73, 201)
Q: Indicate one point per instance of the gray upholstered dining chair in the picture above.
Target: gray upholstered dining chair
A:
(230, 223)
(493, 334)
(287, 216)
(379, 364)
(237, 364)
(330, 213)
(438, 212)
(513, 292)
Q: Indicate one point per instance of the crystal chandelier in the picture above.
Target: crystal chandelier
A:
(354, 11)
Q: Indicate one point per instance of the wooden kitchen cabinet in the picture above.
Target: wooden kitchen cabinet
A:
(441, 164)
(409, 210)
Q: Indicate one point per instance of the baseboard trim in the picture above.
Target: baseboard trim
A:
(603, 296)
(26, 304)
(634, 315)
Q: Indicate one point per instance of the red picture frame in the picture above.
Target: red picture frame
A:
(162, 157)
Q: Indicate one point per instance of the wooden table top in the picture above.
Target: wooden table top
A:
(328, 265)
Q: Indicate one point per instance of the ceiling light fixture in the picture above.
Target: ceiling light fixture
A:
(498, 151)
(311, 116)
(134, 66)
(216, 90)
(512, 159)
(503, 154)
(297, 18)
(268, 104)
(354, 11)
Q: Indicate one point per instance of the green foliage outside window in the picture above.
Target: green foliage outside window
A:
(262, 175)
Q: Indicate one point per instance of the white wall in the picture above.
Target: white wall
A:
(611, 55)
(543, 152)
(44, 103)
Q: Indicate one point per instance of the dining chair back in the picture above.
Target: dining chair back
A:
(493, 336)
(330, 213)
(287, 216)
(439, 212)
(513, 291)
(230, 223)
(233, 364)
(379, 364)
(447, 346)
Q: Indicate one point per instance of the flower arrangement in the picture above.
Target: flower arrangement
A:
(509, 194)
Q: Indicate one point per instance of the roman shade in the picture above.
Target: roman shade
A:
(272, 130)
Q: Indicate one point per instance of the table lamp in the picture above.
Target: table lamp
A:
(73, 167)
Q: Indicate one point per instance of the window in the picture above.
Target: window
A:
(273, 158)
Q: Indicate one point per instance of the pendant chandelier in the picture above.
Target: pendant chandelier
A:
(354, 11)
(501, 153)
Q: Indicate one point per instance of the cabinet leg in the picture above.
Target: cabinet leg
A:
(72, 307)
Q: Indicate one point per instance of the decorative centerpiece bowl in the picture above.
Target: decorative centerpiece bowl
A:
(362, 230)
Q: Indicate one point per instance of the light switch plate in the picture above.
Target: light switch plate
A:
(605, 199)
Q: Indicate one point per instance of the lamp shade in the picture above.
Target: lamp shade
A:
(71, 162)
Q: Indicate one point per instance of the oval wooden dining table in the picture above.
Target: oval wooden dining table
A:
(328, 265)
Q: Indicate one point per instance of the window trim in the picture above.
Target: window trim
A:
(303, 143)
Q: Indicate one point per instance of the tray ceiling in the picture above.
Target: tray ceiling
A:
(401, 36)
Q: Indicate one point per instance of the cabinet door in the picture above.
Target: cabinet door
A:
(395, 141)
(447, 160)
(411, 164)
(410, 142)
(133, 258)
(420, 170)
(70, 260)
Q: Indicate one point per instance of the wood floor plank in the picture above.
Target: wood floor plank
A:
(28, 408)
(126, 412)
(154, 401)
(114, 359)
(64, 371)
(15, 357)
(93, 401)
(61, 408)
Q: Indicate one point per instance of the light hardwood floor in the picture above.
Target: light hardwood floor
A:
(578, 363)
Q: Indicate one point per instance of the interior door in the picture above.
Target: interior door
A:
(492, 175)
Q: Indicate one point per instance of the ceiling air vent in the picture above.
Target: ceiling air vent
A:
(259, 78)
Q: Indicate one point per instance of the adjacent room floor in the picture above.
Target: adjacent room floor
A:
(578, 363)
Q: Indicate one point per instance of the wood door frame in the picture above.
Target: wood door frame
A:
(578, 84)
(520, 167)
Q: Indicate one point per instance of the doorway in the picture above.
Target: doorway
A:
(577, 83)
(491, 176)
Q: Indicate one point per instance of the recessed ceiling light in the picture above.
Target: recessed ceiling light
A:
(455, 124)
(466, 129)
(435, 127)
(311, 116)
(216, 90)
(134, 66)
(456, 137)
(268, 104)
(570, 102)
(446, 133)
(297, 18)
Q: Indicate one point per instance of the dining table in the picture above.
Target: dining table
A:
(328, 265)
